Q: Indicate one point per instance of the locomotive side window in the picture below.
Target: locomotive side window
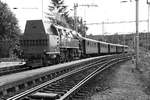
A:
(60, 31)
(73, 35)
(54, 30)
(69, 34)
(26, 42)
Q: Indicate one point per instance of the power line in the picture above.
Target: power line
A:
(119, 22)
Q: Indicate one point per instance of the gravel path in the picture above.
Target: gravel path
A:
(121, 84)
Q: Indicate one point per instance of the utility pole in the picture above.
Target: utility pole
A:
(137, 33)
(147, 41)
(103, 31)
(42, 9)
(75, 16)
(103, 28)
(148, 3)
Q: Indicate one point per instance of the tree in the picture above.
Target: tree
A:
(9, 30)
(60, 15)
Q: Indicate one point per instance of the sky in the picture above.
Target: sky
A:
(107, 11)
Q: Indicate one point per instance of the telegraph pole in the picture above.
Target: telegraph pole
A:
(42, 9)
(103, 28)
(75, 16)
(147, 41)
(137, 33)
(148, 2)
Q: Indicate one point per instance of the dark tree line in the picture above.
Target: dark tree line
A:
(9, 30)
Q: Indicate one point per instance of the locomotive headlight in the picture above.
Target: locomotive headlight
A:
(53, 56)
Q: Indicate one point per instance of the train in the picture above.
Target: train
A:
(45, 43)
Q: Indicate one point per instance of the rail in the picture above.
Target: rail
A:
(103, 65)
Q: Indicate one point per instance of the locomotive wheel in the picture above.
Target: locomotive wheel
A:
(62, 57)
(67, 56)
(57, 60)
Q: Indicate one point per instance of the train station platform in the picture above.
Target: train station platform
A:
(11, 78)
(10, 64)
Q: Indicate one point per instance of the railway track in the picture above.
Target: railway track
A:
(69, 85)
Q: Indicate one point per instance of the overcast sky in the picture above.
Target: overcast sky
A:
(107, 11)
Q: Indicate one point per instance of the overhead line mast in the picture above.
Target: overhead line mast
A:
(75, 12)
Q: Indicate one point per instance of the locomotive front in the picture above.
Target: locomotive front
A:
(39, 44)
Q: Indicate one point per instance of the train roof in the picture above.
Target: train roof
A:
(41, 28)
(88, 39)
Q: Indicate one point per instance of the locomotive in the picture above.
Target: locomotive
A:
(46, 43)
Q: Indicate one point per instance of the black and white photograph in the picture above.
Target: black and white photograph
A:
(74, 49)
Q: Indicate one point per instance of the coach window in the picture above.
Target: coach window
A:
(91, 43)
(28, 42)
(31, 43)
(88, 43)
(95, 44)
(38, 42)
(25, 42)
(43, 41)
(35, 42)
(46, 42)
